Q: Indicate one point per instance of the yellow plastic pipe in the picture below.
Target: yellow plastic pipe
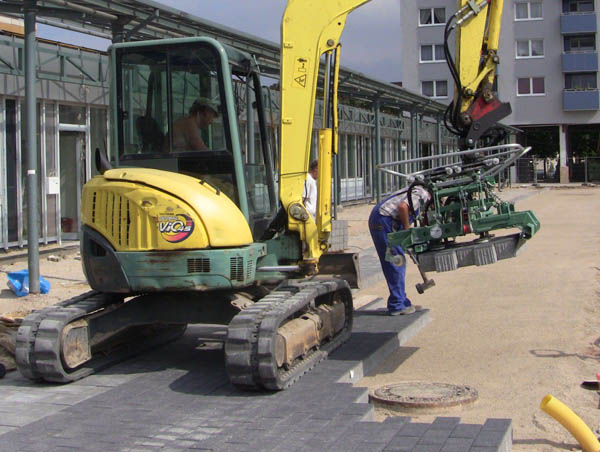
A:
(573, 423)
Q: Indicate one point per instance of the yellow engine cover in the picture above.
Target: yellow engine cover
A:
(140, 209)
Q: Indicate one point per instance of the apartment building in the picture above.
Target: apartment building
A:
(548, 62)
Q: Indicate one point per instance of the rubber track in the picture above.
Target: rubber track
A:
(249, 348)
(39, 339)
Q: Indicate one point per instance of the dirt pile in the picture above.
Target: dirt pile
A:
(9, 324)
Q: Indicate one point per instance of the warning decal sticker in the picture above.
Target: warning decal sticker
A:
(301, 81)
(300, 72)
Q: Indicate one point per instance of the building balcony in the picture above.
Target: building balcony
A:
(580, 62)
(584, 100)
(578, 23)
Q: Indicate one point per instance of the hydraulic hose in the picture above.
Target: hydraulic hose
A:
(573, 423)
(411, 207)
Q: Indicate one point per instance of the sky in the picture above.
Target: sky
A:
(370, 42)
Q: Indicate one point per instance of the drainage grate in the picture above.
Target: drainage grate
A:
(198, 265)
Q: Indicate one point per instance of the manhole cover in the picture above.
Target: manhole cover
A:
(423, 396)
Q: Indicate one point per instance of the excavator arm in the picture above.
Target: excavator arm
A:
(475, 110)
(310, 36)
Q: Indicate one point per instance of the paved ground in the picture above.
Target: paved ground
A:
(178, 398)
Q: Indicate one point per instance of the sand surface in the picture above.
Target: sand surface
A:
(518, 329)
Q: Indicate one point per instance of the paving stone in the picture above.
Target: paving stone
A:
(489, 438)
(370, 446)
(466, 431)
(497, 424)
(434, 436)
(414, 429)
(445, 423)
(178, 397)
(402, 442)
(427, 448)
(457, 445)
(483, 449)
(396, 420)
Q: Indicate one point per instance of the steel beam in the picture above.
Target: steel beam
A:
(147, 21)
(31, 149)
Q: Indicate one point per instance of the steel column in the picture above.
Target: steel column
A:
(414, 138)
(250, 157)
(31, 149)
(377, 151)
(438, 137)
(118, 32)
(43, 173)
(3, 169)
(563, 132)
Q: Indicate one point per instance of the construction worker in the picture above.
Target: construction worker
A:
(390, 215)
(186, 133)
(309, 194)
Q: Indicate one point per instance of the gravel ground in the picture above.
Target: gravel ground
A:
(516, 330)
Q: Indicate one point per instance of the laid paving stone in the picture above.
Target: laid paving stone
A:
(178, 397)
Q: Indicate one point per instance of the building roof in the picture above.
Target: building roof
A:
(141, 20)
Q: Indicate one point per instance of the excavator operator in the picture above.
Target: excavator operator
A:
(186, 130)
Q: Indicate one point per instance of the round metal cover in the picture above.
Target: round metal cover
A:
(421, 395)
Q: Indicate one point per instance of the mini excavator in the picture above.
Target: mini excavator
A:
(172, 237)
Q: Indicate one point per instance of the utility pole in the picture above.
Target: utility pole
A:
(31, 148)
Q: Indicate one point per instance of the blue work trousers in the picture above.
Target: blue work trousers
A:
(380, 226)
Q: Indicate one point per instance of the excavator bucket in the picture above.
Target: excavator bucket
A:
(341, 265)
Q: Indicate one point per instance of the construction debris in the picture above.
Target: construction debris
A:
(9, 324)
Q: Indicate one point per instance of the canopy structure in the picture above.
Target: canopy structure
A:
(132, 20)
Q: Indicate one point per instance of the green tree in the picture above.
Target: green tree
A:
(544, 141)
(584, 141)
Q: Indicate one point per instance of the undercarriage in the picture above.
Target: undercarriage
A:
(271, 337)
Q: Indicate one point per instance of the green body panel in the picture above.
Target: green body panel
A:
(191, 270)
(282, 250)
(285, 247)
(472, 208)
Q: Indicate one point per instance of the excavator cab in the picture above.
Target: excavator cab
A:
(165, 89)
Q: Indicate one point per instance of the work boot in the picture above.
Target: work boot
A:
(407, 310)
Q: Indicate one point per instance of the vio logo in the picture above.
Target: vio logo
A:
(175, 228)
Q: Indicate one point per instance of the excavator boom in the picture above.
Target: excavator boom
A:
(310, 29)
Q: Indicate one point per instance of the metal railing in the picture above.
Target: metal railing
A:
(457, 167)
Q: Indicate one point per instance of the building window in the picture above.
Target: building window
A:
(435, 88)
(531, 86)
(531, 48)
(528, 10)
(581, 82)
(578, 6)
(432, 16)
(432, 53)
(580, 43)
